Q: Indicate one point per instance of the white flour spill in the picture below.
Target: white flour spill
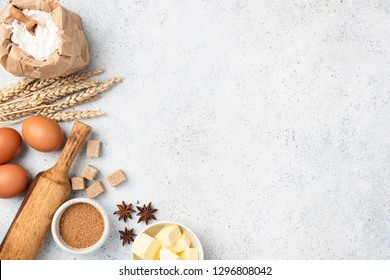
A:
(46, 39)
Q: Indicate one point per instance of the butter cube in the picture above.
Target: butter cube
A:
(146, 247)
(183, 243)
(168, 235)
(165, 254)
(190, 254)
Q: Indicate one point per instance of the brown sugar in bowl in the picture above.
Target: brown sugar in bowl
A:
(80, 226)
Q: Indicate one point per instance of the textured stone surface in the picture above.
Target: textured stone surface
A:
(261, 125)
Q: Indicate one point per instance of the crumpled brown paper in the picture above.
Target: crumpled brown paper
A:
(73, 54)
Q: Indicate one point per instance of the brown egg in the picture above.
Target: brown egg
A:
(42, 134)
(14, 180)
(10, 144)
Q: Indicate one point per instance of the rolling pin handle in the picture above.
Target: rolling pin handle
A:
(76, 139)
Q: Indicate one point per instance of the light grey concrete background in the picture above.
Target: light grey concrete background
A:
(262, 125)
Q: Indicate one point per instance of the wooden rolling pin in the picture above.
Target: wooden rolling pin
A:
(46, 194)
(31, 24)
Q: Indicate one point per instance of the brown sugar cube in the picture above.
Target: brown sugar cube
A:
(78, 183)
(90, 172)
(95, 189)
(93, 148)
(116, 178)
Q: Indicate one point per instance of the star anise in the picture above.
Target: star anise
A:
(124, 211)
(127, 236)
(146, 213)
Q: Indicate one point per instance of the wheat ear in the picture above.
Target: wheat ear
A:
(59, 82)
(13, 91)
(85, 96)
(88, 95)
(76, 78)
(55, 94)
(46, 97)
(75, 115)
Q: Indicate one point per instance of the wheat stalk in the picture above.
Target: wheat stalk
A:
(88, 95)
(46, 96)
(30, 108)
(12, 91)
(58, 82)
(38, 85)
(43, 99)
(82, 76)
(75, 115)
(33, 87)
(13, 108)
(55, 94)
(71, 101)
(28, 86)
(76, 78)
(63, 116)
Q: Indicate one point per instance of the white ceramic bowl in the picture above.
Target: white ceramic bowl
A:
(153, 229)
(55, 227)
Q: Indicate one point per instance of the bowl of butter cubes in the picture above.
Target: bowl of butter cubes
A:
(167, 241)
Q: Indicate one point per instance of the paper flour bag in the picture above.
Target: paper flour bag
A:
(57, 48)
